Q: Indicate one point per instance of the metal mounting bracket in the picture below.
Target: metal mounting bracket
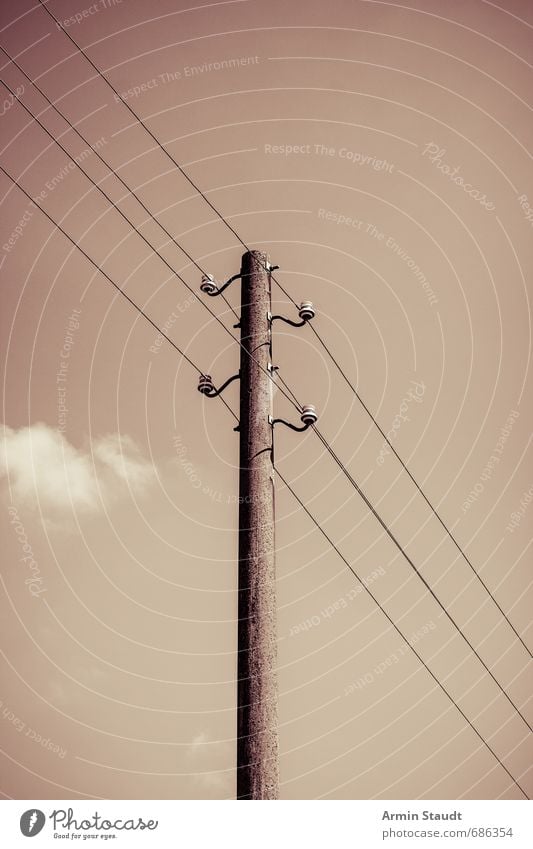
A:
(273, 422)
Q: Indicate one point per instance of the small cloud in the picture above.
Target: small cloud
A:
(198, 741)
(214, 775)
(42, 467)
(123, 457)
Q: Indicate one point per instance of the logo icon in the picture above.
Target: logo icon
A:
(32, 822)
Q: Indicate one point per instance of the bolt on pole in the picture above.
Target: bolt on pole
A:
(257, 709)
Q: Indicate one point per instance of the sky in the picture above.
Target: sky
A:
(379, 152)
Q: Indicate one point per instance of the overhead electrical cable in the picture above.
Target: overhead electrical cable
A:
(396, 627)
(101, 271)
(197, 188)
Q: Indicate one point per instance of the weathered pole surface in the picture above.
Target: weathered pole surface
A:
(257, 711)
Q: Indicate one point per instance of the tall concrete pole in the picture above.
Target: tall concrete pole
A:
(257, 711)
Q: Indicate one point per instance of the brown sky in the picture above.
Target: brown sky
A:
(333, 147)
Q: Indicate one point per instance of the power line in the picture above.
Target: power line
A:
(109, 167)
(289, 390)
(316, 333)
(421, 660)
(396, 627)
(406, 556)
(193, 184)
(107, 197)
(282, 289)
(422, 493)
(176, 347)
(235, 233)
(400, 548)
(127, 105)
(326, 348)
(130, 223)
(391, 621)
(406, 469)
(110, 280)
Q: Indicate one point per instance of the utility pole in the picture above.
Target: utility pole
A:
(257, 709)
(257, 706)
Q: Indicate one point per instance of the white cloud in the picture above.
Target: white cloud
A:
(42, 467)
(122, 456)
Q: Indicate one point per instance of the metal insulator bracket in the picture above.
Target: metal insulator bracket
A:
(210, 287)
(309, 417)
(306, 311)
(207, 388)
